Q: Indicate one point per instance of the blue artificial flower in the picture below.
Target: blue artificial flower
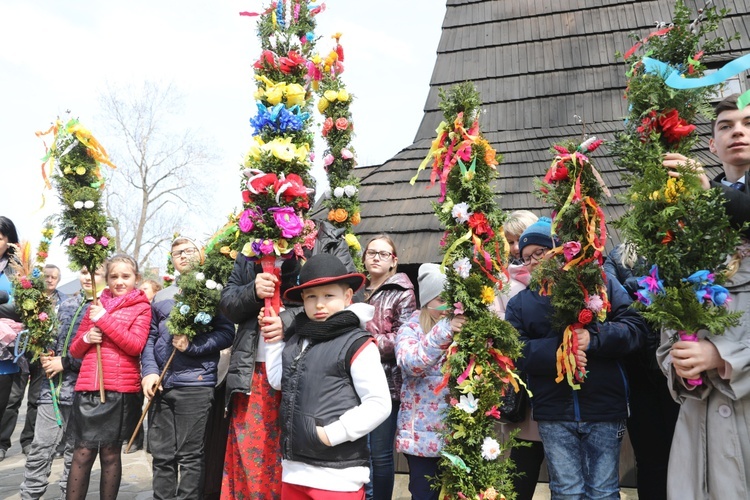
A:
(652, 283)
(644, 297)
(36, 273)
(715, 293)
(184, 309)
(206, 318)
(700, 277)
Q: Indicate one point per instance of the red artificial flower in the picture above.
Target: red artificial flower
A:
(585, 316)
(246, 196)
(42, 255)
(668, 238)
(342, 123)
(327, 126)
(262, 183)
(673, 127)
(290, 63)
(293, 187)
(26, 284)
(560, 173)
(267, 59)
(647, 125)
(479, 224)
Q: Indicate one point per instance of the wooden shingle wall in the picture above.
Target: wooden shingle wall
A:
(537, 64)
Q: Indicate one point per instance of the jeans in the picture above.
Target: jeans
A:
(42, 450)
(177, 425)
(583, 458)
(422, 475)
(382, 467)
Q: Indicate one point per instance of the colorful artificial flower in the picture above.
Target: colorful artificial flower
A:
(571, 249)
(287, 220)
(488, 295)
(462, 267)
(585, 316)
(480, 225)
(594, 302)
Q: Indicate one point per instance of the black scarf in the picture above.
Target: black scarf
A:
(336, 324)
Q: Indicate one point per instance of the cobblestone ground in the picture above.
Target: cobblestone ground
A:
(136, 476)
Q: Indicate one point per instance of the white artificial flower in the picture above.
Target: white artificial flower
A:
(490, 449)
(219, 286)
(462, 267)
(78, 204)
(210, 284)
(467, 403)
(88, 204)
(338, 192)
(200, 276)
(461, 213)
(350, 190)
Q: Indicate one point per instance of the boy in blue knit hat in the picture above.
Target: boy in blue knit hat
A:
(581, 429)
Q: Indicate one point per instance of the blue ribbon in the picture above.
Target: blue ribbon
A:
(673, 78)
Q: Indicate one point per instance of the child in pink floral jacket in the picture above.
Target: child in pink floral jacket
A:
(421, 344)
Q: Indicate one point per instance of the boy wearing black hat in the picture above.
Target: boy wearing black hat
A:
(334, 390)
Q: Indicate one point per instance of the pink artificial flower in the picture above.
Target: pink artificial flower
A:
(266, 246)
(104, 241)
(328, 159)
(288, 221)
(571, 249)
(73, 240)
(43, 316)
(458, 308)
(595, 303)
(89, 240)
(346, 154)
(246, 223)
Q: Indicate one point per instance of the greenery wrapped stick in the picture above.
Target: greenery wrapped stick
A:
(479, 366)
(681, 230)
(74, 160)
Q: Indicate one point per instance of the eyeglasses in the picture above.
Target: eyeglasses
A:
(382, 254)
(187, 252)
(536, 255)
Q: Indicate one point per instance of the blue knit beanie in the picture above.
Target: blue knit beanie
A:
(539, 233)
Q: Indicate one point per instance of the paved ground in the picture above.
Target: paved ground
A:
(136, 476)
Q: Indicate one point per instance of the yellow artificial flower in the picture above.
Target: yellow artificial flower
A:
(247, 250)
(488, 295)
(316, 59)
(275, 94)
(80, 170)
(281, 148)
(655, 196)
(323, 104)
(673, 190)
(281, 246)
(295, 95)
(255, 150)
(233, 254)
(343, 95)
(353, 242)
(331, 95)
(302, 152)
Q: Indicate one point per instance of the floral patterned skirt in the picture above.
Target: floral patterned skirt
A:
(252, 464)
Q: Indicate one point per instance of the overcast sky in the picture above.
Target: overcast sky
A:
(57, 56)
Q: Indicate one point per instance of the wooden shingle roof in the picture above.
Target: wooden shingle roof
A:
(538, 65)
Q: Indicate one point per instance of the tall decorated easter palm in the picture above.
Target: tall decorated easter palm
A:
(479, 366)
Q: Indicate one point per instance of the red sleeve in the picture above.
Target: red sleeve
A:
(129, 334)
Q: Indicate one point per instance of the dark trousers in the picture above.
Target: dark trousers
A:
(528, 460)
(6, 385)
(422, 475)
(653, 416)
(34, 380)
(177, 425)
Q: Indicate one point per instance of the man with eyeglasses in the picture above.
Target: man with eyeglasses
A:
(179, 413)
(581, 430)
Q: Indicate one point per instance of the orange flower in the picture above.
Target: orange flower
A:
(340, 215)
(668, 238)
(331, 215)
(342, 123)
(356, 218)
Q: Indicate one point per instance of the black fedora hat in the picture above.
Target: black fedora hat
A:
(323, 269)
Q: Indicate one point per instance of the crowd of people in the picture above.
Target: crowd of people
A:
(311, 401)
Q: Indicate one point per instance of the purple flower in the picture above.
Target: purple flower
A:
(104, 241)
(246, 221)
(89, 240)
(266, 246)
(288, 221)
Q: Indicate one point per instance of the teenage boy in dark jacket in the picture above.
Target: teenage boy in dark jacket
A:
(581, 429)
(177, 420)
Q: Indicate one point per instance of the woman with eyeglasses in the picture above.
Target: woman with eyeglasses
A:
(392, 294)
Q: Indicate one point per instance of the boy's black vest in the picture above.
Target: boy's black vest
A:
(317, 389)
